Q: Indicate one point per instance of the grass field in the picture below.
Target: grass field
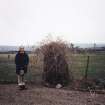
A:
(96, 67)
(77, 65)
(39, 95)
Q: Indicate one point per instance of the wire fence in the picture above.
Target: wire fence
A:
(80, 66)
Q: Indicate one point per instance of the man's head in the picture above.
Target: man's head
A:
(21, 50)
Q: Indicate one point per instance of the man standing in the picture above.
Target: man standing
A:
(21, 61)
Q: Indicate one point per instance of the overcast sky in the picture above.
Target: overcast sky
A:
(26, 22)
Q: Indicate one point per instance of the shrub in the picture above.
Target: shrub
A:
(55, 67)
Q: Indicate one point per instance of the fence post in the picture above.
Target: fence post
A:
(87, 67)
(8, 56)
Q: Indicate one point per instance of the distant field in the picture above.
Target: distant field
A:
(77, 65)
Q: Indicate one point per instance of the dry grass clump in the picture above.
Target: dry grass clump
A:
(55, 65)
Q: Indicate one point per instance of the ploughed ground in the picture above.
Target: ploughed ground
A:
(39, 95)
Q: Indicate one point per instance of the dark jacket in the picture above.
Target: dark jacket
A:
(21, 62)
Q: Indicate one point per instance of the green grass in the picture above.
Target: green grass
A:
(96, 65)
(77, 67)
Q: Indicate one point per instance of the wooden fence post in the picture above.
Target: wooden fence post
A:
(87, 67)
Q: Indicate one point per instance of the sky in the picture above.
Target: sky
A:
(27, 22)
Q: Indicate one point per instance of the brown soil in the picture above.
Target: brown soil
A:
(39, 95)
